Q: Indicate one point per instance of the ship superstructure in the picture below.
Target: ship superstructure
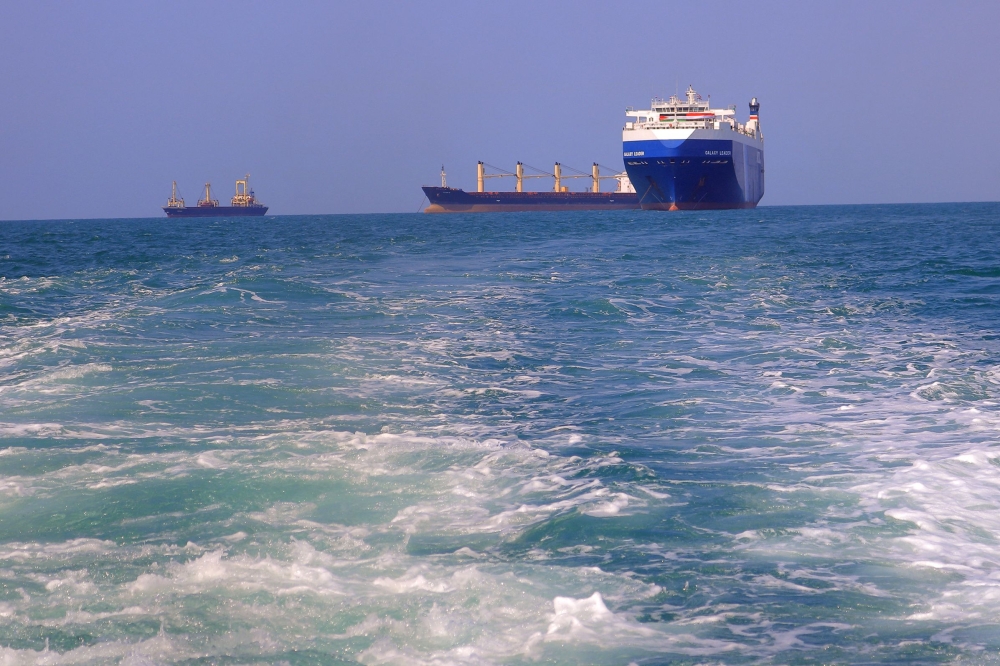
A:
(682, 154)
(446, 199)
(243, 203)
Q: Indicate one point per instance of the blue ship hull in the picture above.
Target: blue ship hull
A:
(454, 200)
(215, 211)
(695, 174)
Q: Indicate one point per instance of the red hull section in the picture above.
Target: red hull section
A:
(698, 206)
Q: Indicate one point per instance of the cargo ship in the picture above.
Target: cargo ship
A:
(446, 199)
(244, 203)
(685, 155)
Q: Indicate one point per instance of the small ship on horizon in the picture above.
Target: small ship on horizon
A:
(244, 203)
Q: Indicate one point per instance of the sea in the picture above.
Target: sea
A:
(765, 436)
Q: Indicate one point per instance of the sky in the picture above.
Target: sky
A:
(349, 107)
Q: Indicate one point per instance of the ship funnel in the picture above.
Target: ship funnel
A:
(754, 124)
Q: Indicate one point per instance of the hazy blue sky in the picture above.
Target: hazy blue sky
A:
(350, 107)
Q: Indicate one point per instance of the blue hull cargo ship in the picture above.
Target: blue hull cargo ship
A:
(244, 203)
(684, 155)
(446, 199)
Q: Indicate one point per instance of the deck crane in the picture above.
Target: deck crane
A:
(557, 176)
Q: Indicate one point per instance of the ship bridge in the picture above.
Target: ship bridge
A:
(690, 113)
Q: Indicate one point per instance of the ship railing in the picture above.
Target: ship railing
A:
(679, 124)
(688, 125)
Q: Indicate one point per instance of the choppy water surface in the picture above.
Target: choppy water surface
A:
(733, 437)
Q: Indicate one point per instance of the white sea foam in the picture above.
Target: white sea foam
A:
(152, 651)
(32, 551)
(797, 435)
(333, 565)
(588, 621)
(951, 504)
(241, 573)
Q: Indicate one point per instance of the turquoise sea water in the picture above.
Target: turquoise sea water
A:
(767, 436)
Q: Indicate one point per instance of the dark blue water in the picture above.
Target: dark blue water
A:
(720, 437)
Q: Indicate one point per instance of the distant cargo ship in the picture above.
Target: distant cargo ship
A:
(446, 199)
(244, 203)
(682, 155)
